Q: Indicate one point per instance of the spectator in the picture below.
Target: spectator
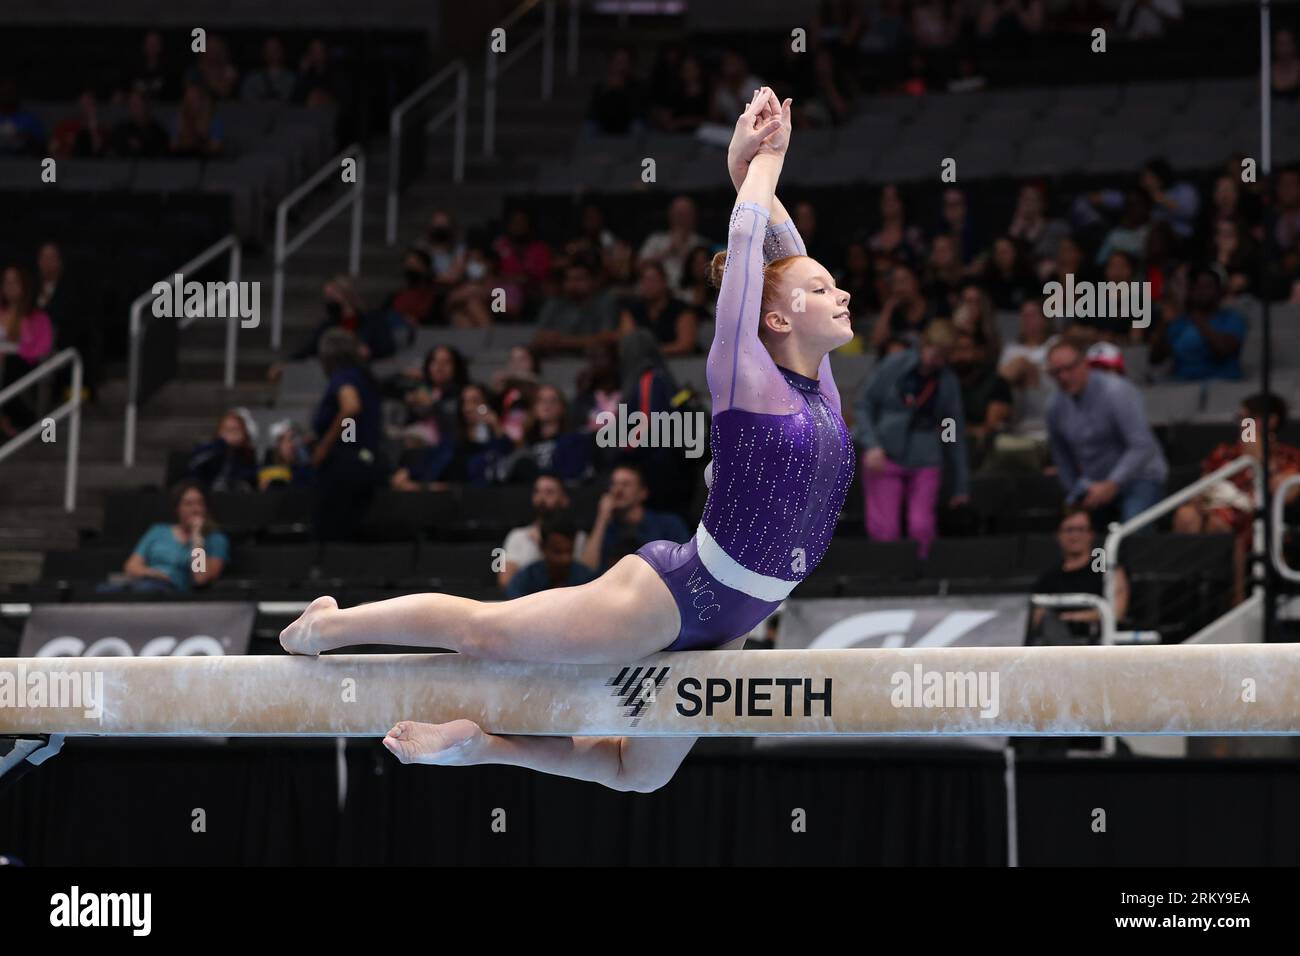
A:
(471, 302)
(472, 453)
(445, 247)
(623, 523)
(985, 396)
(1206, 341)
(1286, 229)
(1234, 255)
(1286, 66)
(1024, 362)
(1007, 276)
(62, 301)
(956, 222)
(895, 237)
(580, 315)
(1078, 573)
(735, 87)
(176, 557)
(21, 133)
(522, 546)
(599, 385)
(687, 102)
(287, 463)
(944, 276)
(557, 567)
(522, 368)
(319, 81)
(433, 406)
(29, 336)
(819, 248)
(1010, 19)
(274, 82)
(81, 136)
(1031, 226)
(1068, 261)
(1174, 202)
(229, 461)
(1130, 235)
(344, 309)
(1163, 267)
(1229, 507)
(618, 103)
(213, 71)
(415, 303)
(152, 75)
(139, 136)
(593, 239)
(910, 423)
(975, 316)
(548, 444)
(905, 314)
(670, 247)
(1147, 19)
(1106, 357)
(697, 292)
(858, 278)
(884, 28)
(1103, 449)
(198, 132)
(522, 260)
(673, 324)
(931, 26)
(348, 427)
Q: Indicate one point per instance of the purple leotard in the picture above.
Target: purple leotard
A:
(783, 460)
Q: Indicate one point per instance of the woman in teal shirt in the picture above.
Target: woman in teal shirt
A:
(166, 555)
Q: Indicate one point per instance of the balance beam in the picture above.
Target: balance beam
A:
(1021, 691)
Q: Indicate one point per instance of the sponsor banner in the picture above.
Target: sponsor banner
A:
(916, 621)
(167, 629)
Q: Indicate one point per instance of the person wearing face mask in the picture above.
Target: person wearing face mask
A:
(345, 309)
(481, 294)
(443, 244)
(415, 302)
(287, 462)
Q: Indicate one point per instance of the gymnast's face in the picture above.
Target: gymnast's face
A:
(824, 322)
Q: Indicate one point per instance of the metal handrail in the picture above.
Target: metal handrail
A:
(1119, 531)
(457, 107)
(545, 36)
(1103, 606)
(72, 407)
(285, 247)
(229, 244)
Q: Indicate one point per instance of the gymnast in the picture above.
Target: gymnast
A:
(782, 463)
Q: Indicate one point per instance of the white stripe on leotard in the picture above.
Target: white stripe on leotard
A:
(727, 571)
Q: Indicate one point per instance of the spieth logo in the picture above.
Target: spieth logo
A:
(199, 645)
(636, 687)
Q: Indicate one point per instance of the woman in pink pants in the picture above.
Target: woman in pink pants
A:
(910, 424)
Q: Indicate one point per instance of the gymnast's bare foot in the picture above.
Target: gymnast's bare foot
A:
(456, 743)
(303, 636)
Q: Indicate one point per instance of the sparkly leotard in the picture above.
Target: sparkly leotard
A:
(783, 460)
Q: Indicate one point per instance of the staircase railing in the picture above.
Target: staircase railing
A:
(70, 409)
(456, 108)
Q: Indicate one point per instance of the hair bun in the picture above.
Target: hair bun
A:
(716, 268)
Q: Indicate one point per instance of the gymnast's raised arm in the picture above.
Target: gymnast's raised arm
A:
(781, 237)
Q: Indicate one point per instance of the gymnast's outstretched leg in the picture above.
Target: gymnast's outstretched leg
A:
(625, 614)
(638, 764)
